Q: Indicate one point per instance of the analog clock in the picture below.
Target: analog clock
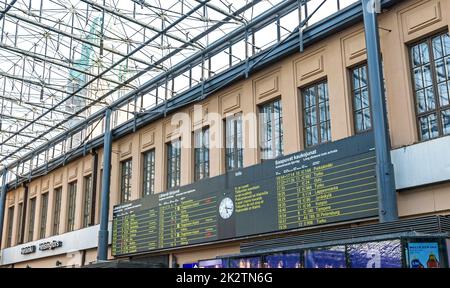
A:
(226, 208)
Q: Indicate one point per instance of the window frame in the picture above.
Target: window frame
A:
(71, 205)
(262, 131)
(126, 173)
(204, 150)
(145, 173)
(169, 167)
(31, 217)
(20, 224)
(43, 215)
(428, 39)
(237, 153)
(88, 190)
(57, 202)
(315, 84)
(351, 69)
(10, 228)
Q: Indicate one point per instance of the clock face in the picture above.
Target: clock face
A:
(226, 208)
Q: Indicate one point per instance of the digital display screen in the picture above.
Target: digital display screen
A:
(326, 184)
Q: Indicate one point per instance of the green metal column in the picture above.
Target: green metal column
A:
(387, 195)
(102, 254)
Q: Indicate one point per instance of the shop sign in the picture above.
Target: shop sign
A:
(50, 245)
(44, 246)
(28, 250)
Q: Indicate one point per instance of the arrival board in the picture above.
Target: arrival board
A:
(330, 183)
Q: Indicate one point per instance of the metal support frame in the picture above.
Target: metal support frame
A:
(102, 254)
(105, 71)
(10, 5)
(315, 33)
(3, 192)
(387, 198)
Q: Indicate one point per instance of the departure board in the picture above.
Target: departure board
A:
(330, 183)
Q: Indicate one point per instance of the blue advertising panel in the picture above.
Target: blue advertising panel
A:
(211, 263)
(329, 257)
(190, 265)
(423, 255)
(284, 260)
(382, 254)
(250, 262)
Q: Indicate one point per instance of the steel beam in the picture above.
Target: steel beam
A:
(173, 24)
(69, 35)
(10, 5)
(40, 84)
(25, 120)
(54, 62)
(102, 252)
(387, 195)
(133, 20)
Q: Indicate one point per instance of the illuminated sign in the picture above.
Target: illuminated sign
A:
(329, 183)
(50, 245)
(28, 250)
(44, 246)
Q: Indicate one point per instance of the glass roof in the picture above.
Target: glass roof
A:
(63, 61)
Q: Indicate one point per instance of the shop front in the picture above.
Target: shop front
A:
(425, 245)
(398, 252)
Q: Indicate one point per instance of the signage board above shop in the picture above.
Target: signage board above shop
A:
(28, 250)
(330, 183)
(67, 243)
(44, 246)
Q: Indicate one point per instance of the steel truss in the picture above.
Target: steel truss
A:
(63, 63)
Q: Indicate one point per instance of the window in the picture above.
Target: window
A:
(10, 226)
(362, 116)
(43, 220)
(72, 202)
(201, 154)
(430, 61)
(57, 211)
(316, 112)
(125, 180)
(87, 201)
(173, 163)
(233, 142)
(149, 173)
(31, 214)
(271, 120)
(20, 224)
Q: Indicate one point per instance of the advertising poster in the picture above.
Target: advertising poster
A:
(211, 263)
(423, 255)
(331, 257)
(288, 260)
(251, 262)
(382, 254)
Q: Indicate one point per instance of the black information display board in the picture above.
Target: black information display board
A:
(326, 184)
